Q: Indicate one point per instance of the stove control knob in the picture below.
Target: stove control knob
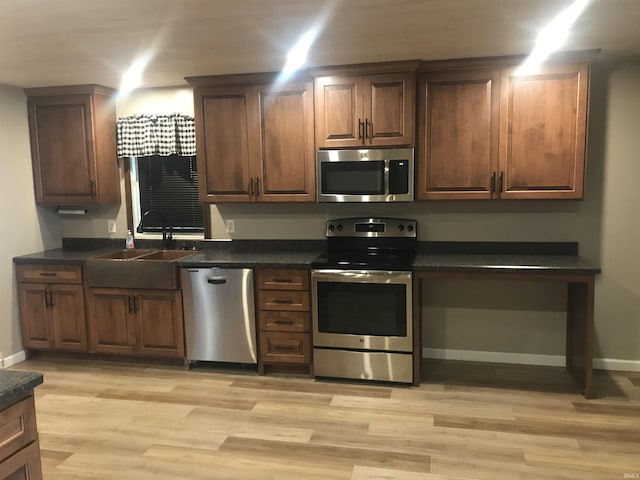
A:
(339, 227)
(410, 228)
(401, 227)
(331, 227)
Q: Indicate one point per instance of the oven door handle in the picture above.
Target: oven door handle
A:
(361, 276)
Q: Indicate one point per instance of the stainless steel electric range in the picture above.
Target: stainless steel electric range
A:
(362, 302)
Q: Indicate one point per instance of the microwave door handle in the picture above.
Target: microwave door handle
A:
(386, 177)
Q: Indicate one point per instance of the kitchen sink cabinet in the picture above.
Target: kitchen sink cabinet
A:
(73, 145)
(51, 312)
(254, 139)
(19, 446)
(283, 318)
(368, 105)
(487, 133)
(136, 322)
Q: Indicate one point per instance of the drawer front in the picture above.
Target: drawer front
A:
(17, 427)
(24, 465)
(49, 273)
(283, 300)
(283, 279)
(281, 347)
(284, 321)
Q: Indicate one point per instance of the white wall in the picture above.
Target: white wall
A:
(25, 227)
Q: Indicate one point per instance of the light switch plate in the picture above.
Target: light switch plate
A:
(230, 226)
(111, 226)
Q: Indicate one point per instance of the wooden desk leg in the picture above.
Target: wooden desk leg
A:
(417, 329)
(579, 350)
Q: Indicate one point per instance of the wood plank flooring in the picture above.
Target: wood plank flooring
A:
(112, 420)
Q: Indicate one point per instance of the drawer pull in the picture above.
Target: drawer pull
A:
(48, 274)
(283, 301)
(283, 322)
(285, 348)
(282, 280)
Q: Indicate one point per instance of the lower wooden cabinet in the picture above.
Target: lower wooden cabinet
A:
(136, 322)
(19, 448)
(284, 318)
(51, 300)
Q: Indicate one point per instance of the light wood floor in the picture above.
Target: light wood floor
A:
(100, 420)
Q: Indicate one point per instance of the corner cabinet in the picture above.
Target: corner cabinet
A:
(486, 133)
(254, 138)
(51, 303)
(73, 145)
(136, 322)
(365, 105)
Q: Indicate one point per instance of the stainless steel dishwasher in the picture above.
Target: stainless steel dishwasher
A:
(219, 315)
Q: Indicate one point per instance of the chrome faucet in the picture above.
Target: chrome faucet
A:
(167, 237)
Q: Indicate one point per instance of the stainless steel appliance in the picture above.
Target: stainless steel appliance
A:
(362, 301)
(374, 175)
(219, 315)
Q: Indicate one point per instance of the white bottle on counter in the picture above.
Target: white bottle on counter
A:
(129, 241)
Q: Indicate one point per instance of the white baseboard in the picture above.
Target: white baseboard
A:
(13, 359)
(526, 359)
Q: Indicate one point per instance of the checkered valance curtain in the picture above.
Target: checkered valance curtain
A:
(164, 135)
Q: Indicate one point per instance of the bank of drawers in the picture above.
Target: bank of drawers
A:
(19, 449)
(283, 316)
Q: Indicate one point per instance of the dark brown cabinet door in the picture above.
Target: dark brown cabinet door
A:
(543, 120)
(339, 111)
(73, 145)
(35, 316)
(286, 171)
(223, 145)
(389, 109)
(112, 321)
(160, 323)
(68, 318)
(458, 134)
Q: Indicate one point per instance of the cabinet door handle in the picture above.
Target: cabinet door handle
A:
(136, 303)
(367, 123)
(283, 301)
(501, 183)
(48, 274)
(283, 322)
(360, 130)
(93, 188)
(282, 280)
(129, 298)
(46, 299)
(251, 187)
(285, 348)
(493, 182)
(257, 186)
(51, 304)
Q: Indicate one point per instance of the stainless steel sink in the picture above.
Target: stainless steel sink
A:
(136, 268)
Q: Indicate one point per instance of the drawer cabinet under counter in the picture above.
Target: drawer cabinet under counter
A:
(284, 318)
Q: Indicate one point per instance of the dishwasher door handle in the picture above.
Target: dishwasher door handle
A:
(217, 280)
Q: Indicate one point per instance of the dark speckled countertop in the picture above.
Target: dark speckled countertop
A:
(15, 385)
(564, 264)
(432, 256)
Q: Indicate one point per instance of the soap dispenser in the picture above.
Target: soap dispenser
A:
(129, 241)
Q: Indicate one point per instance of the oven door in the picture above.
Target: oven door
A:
(362, 310)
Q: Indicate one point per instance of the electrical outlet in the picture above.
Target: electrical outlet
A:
(111, 226)
(230, 226)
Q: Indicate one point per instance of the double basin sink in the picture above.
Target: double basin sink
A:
(135, 268)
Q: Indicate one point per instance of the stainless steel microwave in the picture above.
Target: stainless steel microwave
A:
(374, 175)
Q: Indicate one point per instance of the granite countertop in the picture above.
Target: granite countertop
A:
(249, 259)
(15, 385)
(58, 255)
(565, 264)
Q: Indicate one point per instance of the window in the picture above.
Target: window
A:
(168, 185)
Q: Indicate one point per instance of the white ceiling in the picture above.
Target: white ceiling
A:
(64, 42)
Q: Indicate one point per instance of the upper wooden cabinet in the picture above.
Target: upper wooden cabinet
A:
(486, 133)
(73, 145)
(365, 105)
(254, 139)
